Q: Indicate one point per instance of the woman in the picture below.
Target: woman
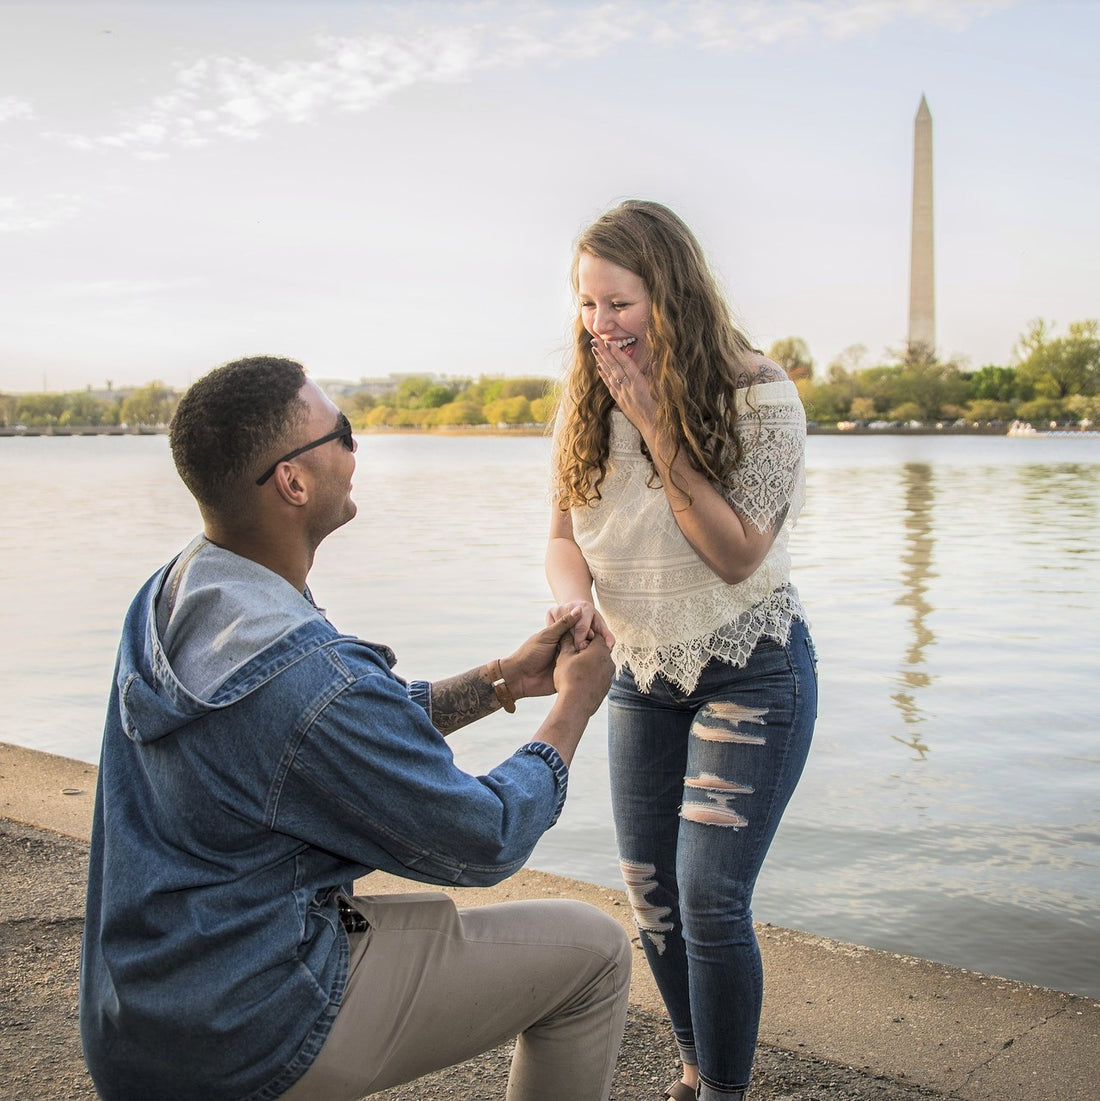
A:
(678, 475)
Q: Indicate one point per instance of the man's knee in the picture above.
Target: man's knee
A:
(591, 923)
(579, 942)
(601, 934)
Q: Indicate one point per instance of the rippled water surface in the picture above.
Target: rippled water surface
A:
(950, 807)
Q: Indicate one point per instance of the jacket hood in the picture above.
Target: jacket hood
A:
(151, 700)
(200, 635)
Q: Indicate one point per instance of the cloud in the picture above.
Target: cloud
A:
(12, 109)
(710, 24)
(117, 290)
(22, 216)
(236, 98)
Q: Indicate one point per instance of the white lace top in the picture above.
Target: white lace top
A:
(670, 612)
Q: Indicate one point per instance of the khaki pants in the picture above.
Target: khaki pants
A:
(430, 985)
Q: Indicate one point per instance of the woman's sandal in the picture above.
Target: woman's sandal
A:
(680, 1091)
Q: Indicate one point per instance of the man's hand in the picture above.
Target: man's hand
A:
(530, 670)
(583, 676)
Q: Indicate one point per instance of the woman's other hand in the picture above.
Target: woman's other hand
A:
(627, 385)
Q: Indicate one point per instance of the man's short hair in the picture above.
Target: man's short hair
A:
(230, 420)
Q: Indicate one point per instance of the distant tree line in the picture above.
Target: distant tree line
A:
(1055, 379)
(420, 401)
(147, 406)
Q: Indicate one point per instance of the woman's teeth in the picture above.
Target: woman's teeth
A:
(626, 343)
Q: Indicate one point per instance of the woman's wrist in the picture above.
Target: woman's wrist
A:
(577, 602)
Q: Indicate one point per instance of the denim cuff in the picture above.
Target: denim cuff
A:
(557, 766)
(687, 1054)
(420, 691)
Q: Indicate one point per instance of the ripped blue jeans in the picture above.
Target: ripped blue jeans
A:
(699, 783)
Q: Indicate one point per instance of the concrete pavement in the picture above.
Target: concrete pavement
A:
(857, 1022)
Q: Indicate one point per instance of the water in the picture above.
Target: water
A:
(949, 809)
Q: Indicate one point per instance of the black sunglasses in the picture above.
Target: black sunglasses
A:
(343, 434)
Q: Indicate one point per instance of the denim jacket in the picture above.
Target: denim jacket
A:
(225, 830)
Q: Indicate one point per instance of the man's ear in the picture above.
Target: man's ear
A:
(290, 480)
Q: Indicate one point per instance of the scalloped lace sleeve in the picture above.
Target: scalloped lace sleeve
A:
(772, 428)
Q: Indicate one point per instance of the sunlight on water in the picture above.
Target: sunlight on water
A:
(950, 806)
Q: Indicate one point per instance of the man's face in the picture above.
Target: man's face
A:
(329, 466)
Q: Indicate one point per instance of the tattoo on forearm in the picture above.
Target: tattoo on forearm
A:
(459, 701)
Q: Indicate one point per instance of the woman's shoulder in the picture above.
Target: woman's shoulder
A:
(756, 369)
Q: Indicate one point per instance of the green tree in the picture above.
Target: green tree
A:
(829, 401)
(84, 409)
(1041, 411)
(435, 396)
(821, 402)
(1086, 410)
(378, 416)
(937, 389)
(459, 412)
(485, 390)
(423, 392)
(530, 388)
(508, 411)
(357, 403)
(862, 409)
(1058, 367)
(793, 355)
(544, 408)
(149, 405)
(991, 383)
(907, 411)
(986, 409)
(40, 410)
(880, 384)
(408, 391)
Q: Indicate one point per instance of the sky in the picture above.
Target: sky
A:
(377, 188)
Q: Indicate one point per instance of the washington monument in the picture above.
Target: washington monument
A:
(922, 292)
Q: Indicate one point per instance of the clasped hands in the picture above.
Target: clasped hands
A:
(550, 661)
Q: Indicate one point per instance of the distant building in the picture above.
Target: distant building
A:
(376, 387)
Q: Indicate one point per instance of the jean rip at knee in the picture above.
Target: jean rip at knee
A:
(640, 880)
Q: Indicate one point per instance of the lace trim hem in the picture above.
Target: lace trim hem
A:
(681, 663)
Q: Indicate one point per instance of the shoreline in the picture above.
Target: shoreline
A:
(67, 431)
(843, 1020)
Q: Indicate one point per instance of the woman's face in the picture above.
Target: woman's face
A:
(614, 305)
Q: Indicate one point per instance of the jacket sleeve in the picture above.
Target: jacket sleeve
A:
(371, 780)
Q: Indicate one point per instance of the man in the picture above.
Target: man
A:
(255, 762)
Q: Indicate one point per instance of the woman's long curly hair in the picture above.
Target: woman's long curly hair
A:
(695, 353)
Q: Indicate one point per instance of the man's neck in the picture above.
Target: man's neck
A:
(281, 556)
